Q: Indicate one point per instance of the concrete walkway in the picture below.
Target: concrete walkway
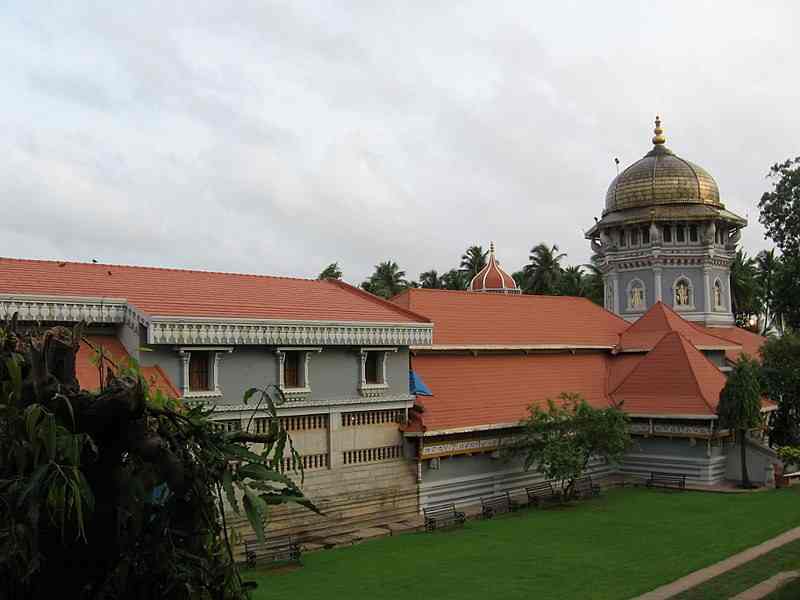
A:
(757, 592)
(694, 579)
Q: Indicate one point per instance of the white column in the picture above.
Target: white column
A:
(281, 359)
(185, 357)
(706, 290)
(335, 454)
(657, 293)
(614, 278)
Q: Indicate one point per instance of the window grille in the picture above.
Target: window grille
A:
(369, 455)
(373, 417)
(294, 423)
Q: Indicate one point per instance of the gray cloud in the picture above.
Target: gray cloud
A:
(278, 137)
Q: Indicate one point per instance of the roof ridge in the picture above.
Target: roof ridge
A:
(377, 299)
(695, 327)
(684, 343)
(151, 268)
(641, 362)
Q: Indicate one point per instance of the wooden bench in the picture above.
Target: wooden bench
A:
(541, 494)
(586, 488)
(497, 504)
(444, 515)
(667, 480)
(282, 548)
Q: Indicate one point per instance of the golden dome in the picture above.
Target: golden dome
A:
(660, 178)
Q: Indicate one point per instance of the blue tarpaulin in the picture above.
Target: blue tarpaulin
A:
(416, 386)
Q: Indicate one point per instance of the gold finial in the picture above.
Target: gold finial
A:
(491, 248)
(658, 138)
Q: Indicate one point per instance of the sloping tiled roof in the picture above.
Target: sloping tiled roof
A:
(674, 378)
(184, 293)
(89, 375)
(648, 330)
(750, 342)
(478, 392)
(470, 318)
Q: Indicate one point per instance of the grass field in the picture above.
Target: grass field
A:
(785, 558)
(623, 544)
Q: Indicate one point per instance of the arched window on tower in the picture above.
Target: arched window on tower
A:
(719, 303)
(683, 294)
(637, 300)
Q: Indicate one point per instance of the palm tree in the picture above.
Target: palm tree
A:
(430, 279)
(739, 405)
(544, 270)
(571, 282)
(472, 261)
(744, 288)
(332, 271)
(387, 280)
(593, 284)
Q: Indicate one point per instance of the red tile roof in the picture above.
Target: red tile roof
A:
(184, 293)
(471, 318)
(492, 389)
(89, 376)
(674, 378)
(648, 330)
(750, 342)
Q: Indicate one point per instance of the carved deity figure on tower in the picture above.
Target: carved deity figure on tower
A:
(682, 294)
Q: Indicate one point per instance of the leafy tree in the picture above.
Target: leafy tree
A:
(561, 439)
(768, 267)
(780, 368)
(544, 270)
(119, 493)
(744, 288)
(787, 294)
(454, 280)
(387, 280)
(520, 279)
(431, 280)
(571, 282)
(472, 261)
(780, 208)
(739, 405)
(332, 271)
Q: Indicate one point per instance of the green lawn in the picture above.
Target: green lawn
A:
(626, 543)
(785, 558)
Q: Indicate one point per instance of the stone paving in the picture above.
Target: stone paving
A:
(694, 579)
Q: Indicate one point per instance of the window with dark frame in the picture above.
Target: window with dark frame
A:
(634, 237)
(198, 371)
(291, 370)
(623, 238)
(371, 368)
(645, 235)
(692, 233)
(667, 233)
(680, 234)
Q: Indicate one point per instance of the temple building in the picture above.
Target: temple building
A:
(665, 236)
(402, 404)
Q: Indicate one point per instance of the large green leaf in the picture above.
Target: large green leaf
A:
(227, 485)
(256, 510)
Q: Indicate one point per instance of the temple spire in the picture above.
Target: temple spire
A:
(658, 138)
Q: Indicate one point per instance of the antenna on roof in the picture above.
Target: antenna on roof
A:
(616, 162)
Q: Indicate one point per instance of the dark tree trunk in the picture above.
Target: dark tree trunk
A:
(743, 448)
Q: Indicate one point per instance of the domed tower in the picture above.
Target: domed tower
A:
(666, 236)
(493, 279)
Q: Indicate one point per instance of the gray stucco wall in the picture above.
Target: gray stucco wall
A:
(694, 274)
(333, 373)
(647, 277)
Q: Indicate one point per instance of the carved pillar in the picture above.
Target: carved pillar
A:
(185, 357)
(335, 453)
(363, 374)
(706, 290)
(614, 280)
(657, 293)
(281, 355)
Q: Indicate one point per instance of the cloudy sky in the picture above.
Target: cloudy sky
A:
(274, 137)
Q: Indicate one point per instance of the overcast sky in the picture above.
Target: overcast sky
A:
(276, 138)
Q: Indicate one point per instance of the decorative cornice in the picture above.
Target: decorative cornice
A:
(68, 309)
(170, 330)
(310, 403)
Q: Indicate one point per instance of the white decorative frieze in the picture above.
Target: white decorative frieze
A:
(65, 309)
(162, 331)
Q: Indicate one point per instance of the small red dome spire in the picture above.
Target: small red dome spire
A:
(493, 279)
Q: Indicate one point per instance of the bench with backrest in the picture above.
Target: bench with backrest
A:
(542, 494)
(282, 548)
(667, 480)
(585, 487)
(443, 516)
(497, 504)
